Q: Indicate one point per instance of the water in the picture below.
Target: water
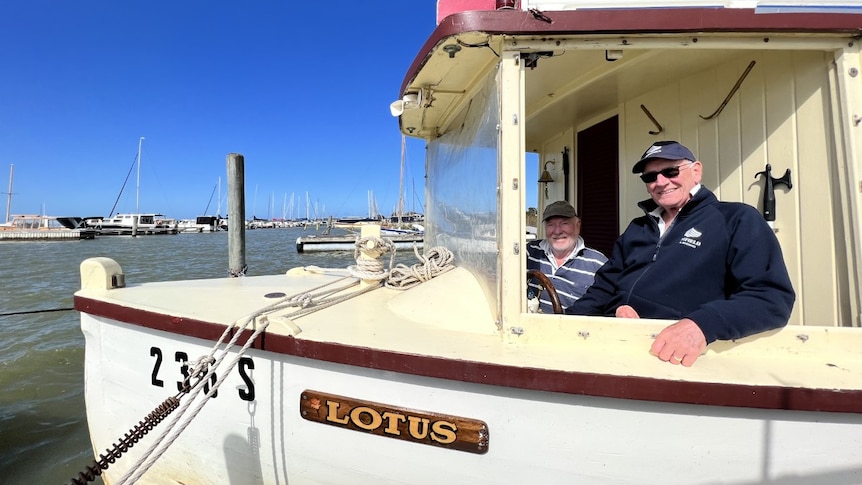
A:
(43, 426)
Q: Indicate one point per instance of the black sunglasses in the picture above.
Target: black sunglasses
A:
(668, 173)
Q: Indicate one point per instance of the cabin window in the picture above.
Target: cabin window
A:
(462, 180)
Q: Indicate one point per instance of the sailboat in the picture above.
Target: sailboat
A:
(133, 224)
(204, 223)
(403, 224)
(30, 227)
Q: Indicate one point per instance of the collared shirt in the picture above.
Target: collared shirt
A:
(572, 278)
(658, 211)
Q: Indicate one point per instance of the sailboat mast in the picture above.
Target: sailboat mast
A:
(138, 187)
(219, 197)
(401, 180)
(9, 193)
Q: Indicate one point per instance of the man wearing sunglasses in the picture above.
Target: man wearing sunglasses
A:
(715, 267)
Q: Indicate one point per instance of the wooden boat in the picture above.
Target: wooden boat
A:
(23, 227)
(453, 380)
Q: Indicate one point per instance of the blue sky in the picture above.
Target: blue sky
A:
(302, 90)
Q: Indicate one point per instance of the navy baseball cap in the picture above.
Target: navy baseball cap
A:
(668, 150)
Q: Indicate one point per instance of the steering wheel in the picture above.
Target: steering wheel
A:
(549, 288)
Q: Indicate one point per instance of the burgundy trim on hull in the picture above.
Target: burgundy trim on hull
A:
(631, 21)
(568, 382)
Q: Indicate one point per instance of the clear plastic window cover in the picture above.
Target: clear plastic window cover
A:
(462, 189)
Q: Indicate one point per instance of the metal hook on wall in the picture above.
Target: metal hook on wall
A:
(654, 121)
(731, 93)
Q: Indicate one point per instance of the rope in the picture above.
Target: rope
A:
(304, 300)
(367, 268)
(330, 302)
(30, 312)
(157, 449)
(436, 261)
(237, 273)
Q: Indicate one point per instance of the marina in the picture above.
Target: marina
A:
(369, 373)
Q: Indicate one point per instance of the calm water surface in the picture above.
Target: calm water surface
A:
(43, 426)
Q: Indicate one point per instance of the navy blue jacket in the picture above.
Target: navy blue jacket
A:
(719, 264)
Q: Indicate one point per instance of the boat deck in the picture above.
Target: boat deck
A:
(412, 331)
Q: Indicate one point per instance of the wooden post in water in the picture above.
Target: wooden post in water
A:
(236, 214)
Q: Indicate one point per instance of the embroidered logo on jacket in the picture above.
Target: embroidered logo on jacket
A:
(691, 238)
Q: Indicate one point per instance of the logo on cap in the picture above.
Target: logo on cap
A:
(652, 151)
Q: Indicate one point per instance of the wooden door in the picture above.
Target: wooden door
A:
(597, 181)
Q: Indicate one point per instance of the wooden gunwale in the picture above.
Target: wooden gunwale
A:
(550, 380)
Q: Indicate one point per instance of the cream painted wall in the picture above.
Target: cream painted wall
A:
(552, 150)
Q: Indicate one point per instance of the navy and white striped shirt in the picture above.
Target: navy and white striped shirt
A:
(572, 279)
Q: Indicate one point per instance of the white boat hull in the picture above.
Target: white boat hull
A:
(535, 437)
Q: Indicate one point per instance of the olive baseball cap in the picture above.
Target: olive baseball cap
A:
(559, 208)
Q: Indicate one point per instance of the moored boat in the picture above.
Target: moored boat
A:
(24, 227)
(132, 225)
(347, 377)
(200, 224)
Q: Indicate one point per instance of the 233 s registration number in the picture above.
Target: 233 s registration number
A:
(177, 367)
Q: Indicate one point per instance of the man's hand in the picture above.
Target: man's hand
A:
(680, 343)
(626, 311)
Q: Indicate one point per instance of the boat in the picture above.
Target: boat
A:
(136, 223)
(322, 375)
(35, 227)
(199, 224)
(403, 229)
(39, 227)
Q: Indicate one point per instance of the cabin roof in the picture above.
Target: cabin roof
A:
(473, 28)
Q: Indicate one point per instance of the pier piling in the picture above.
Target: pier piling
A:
(236, 214)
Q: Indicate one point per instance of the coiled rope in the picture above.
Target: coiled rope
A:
(436, 261)
(367, 268)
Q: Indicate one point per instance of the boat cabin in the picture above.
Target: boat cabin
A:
(753, 92)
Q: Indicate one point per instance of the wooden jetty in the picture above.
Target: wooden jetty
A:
(315, 243)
